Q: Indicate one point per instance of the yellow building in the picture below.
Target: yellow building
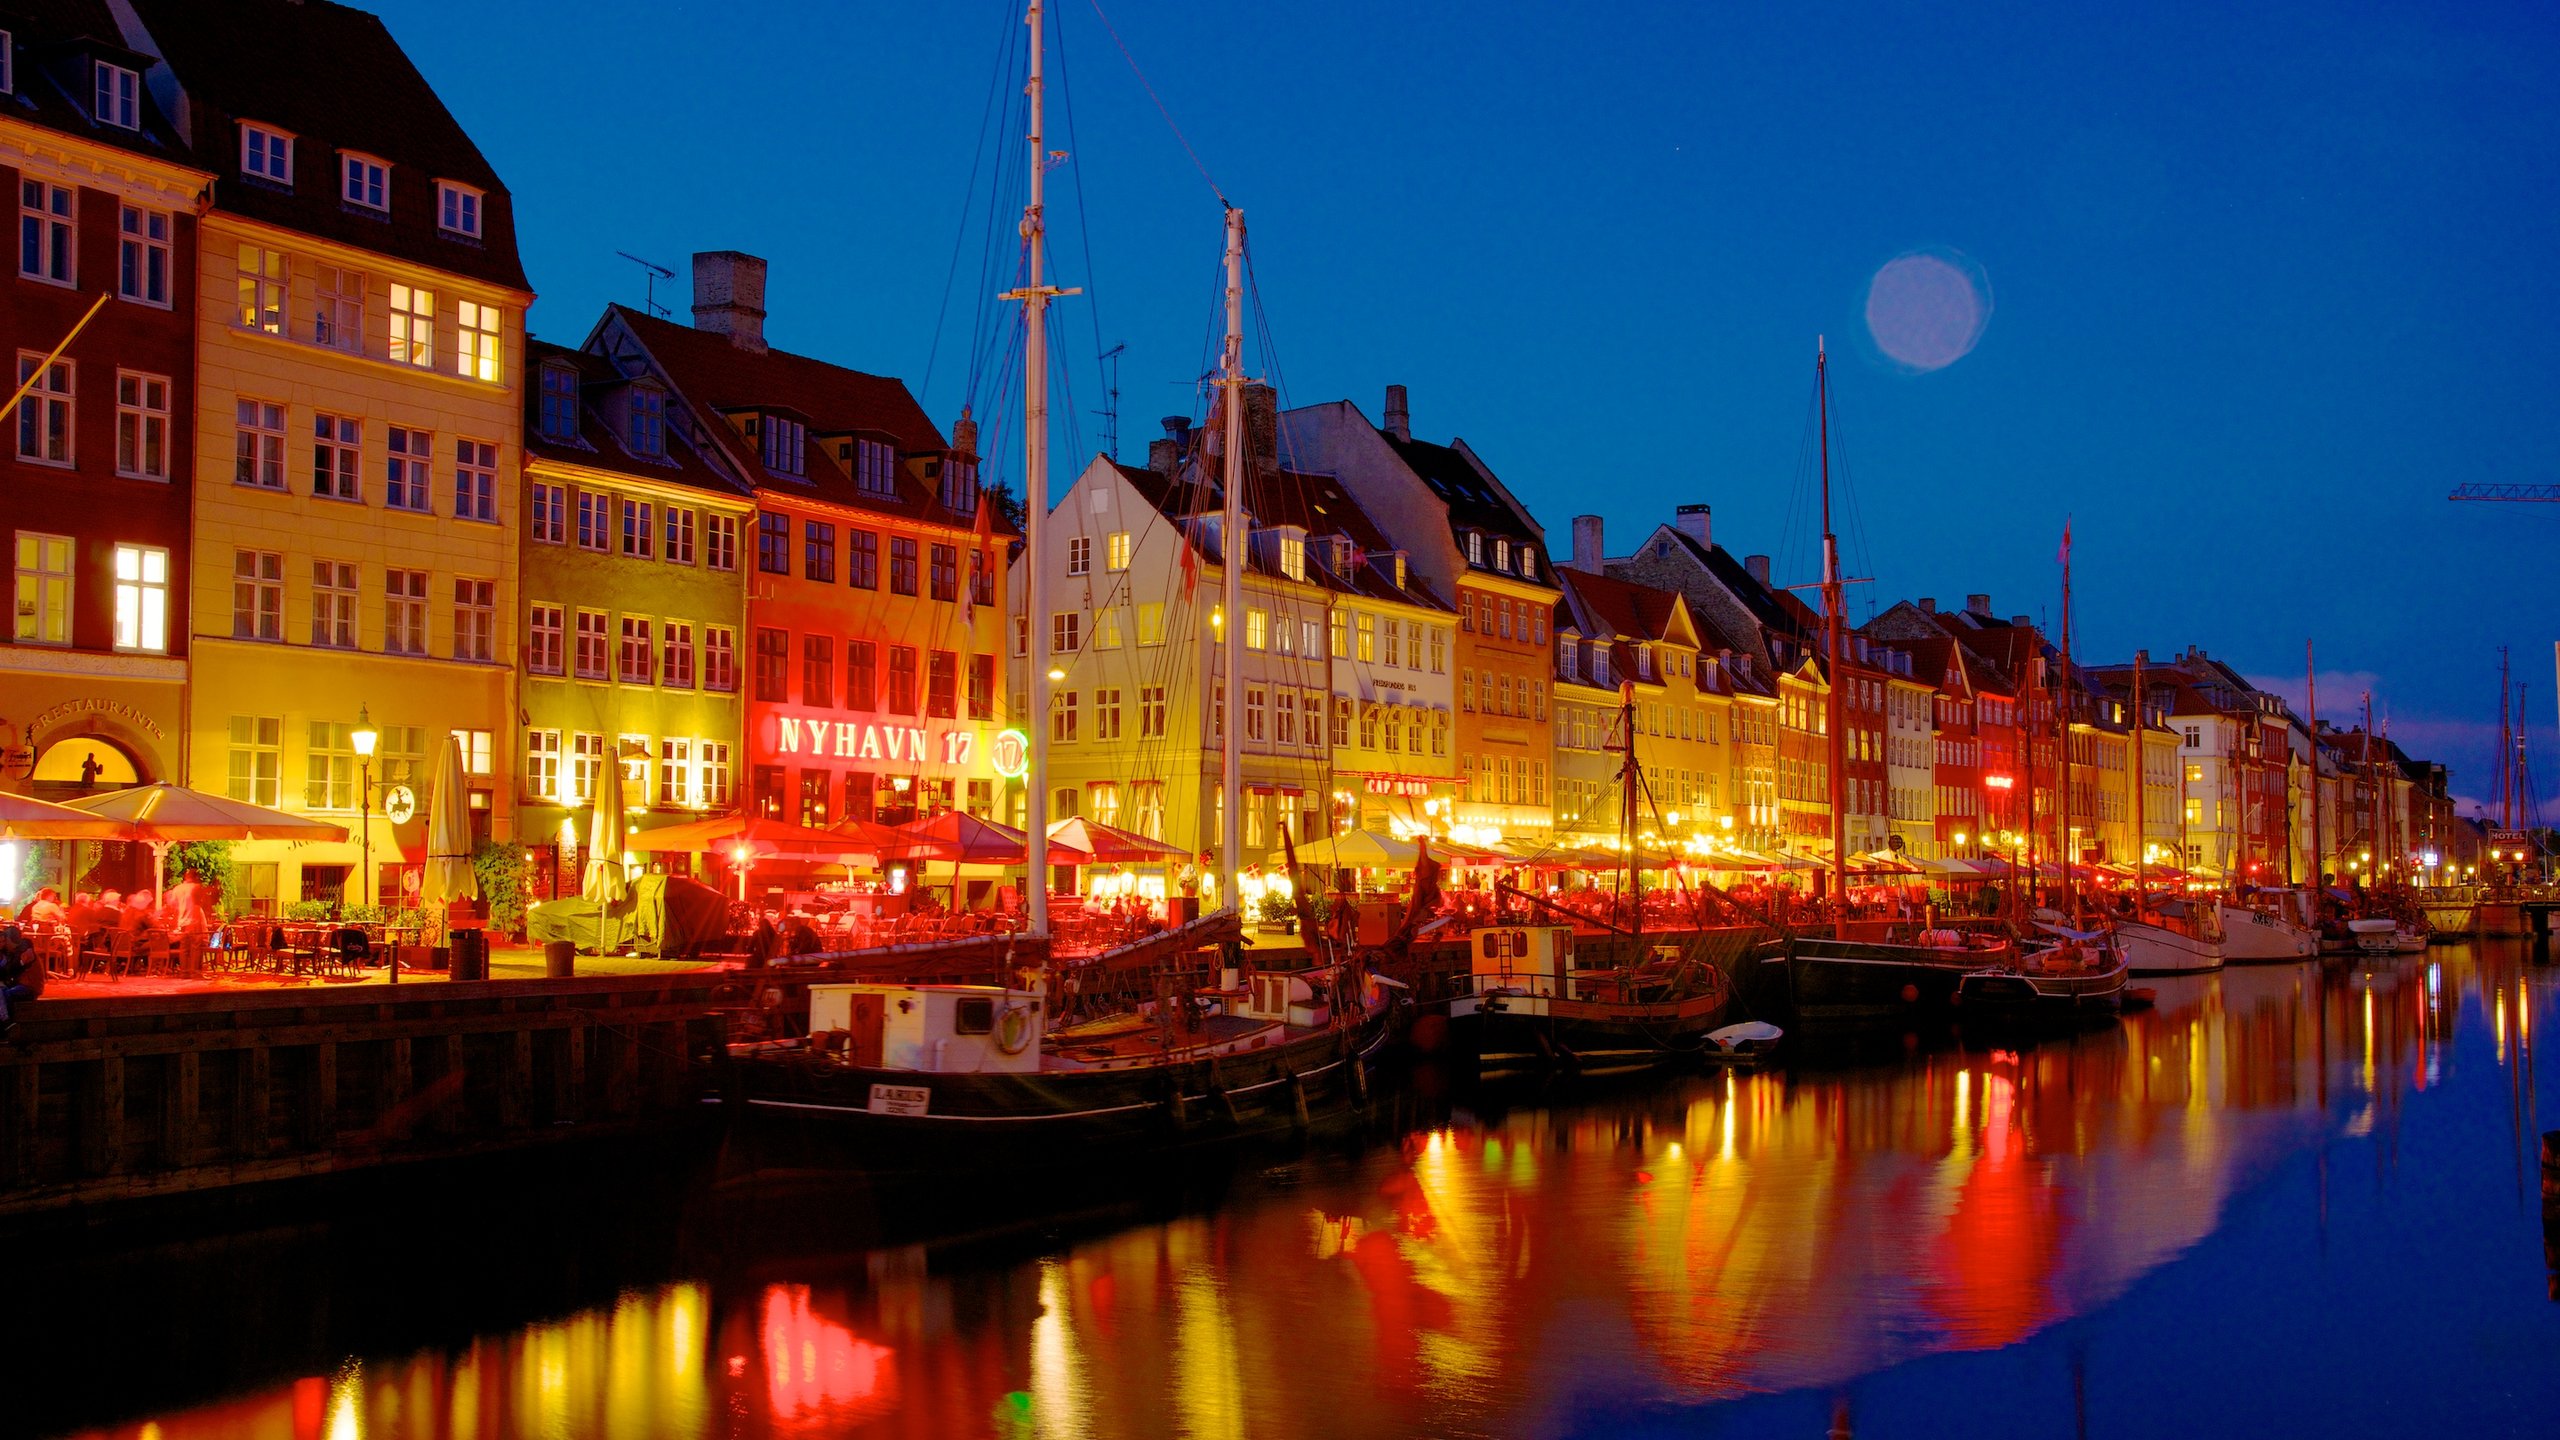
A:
(1619, 644)
(360, 335)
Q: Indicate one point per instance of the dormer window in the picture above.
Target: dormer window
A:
(457, 209)
(557, 418)
(119, 96)
(875, 467)
(960, 487)
(366, 181)
(1501, 554)
(1293, 557)
(1475, 548)
(648, 432)
(1528, 563)
(266, 153)
(786, 446)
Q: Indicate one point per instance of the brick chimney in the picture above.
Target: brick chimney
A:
(1398, 423)
(964, 434)
(1928, 605)
(1589, 545)
(1978, 605)
(1695, 522)
(1758, 566)
(1262, 424)
(1165, 456)
(728, 297)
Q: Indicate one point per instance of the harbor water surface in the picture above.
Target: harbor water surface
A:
(2288, 1200)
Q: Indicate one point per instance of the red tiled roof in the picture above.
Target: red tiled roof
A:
(1629, 609)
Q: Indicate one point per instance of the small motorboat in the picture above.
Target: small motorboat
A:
(2077, 981)
(1742, 1046)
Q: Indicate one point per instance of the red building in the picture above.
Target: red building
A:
(95, 468)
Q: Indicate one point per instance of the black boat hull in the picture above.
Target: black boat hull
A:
(1853, 985)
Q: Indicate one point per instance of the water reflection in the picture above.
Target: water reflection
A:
(1517, 1272)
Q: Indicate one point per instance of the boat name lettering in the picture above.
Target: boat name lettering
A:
(901, 1099)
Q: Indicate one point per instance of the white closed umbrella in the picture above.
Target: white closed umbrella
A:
(449, 874)
(604, 881)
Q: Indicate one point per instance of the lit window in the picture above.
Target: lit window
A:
(267, 154)
(413, 326)
(142, 426)
(262, 289)
(367, 182)
(476, 343)
(457, 209)
(142, 255)
(43, 599)
(1115, 551)
(119, 97)
(256, 758)
(1293, 557)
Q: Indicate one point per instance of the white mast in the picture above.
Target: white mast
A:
(1232, 550)
(1035, 297)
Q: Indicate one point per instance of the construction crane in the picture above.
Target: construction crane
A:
(2506, 492)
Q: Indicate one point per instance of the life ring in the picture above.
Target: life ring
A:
(1013, 1030)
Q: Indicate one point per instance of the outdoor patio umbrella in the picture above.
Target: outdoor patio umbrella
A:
(449, 874)
(1359, 850)
(760, 836)
(1111, 845)
(23, 817)
(163, 815)
(965, 839)
(604, 881)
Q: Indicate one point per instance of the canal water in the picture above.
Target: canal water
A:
(2288, 1200)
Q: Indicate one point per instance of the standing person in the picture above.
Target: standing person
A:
(21, 976)
(188, 907)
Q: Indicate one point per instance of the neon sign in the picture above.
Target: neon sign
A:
(854, 740)
(1010, 754)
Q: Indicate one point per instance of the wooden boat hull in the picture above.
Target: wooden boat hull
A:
(2158, 950)
(2258, 937)
(1855, 984)
(799, 1111)
(2021, 997)
(1518, 1034)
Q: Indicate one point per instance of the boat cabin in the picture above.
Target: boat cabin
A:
(937, 1029)
(1530, 959)
(1302, 998)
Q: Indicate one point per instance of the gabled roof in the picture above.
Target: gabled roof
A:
(598, 445)
(1626, 610)
(1473, 503)
(1776, 611)
(1316, 504)
(52, 37)
(334, 79)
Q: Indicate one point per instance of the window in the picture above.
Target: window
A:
(1310, 637)
(263, 287)
(1364, 628)
(818, 551)
(637, 659)
(44, 416)
(142, 255)
(960, 485)
(720, 542)
(586, 761)
(1393, 656)
(946, 571)
(337, 320)
(942, 685)
(43, 601)
(336, 443)
(1257, 629)
(405, 477)
(1368, 727)
(267, 154)
(366, 181)
(1151, 712)
(1439, 651)
(404, 612)
(773, 664)
(1475, 548)
(1341, 728)
(256, 758)
(542, 641)
(861, 675)
(142, 598)
(1255, 704)
(591, 656)
(1079, 555)
(712, 778)
(548, 509)
(119, 96)
(477, 340)
(862, 559)
(679, 535)
(875, 467)
(719, 658)
(557, 417)
(457, 209)
(675, 771)
(817, 669)
(44, 232)
(1106, 628)
(1284, 718)
(773, 542)
(982, 580)
(1062, 717)
(786, 446)
(902, 680)
(982, 687)
(1151, 623)
(675, 649)
(257, 595)
(1115, 552)
(333, 604)
(1293, 557)
(595, 521)
(1501, 554)
(902, 565)
(1066, 630)
(413, 326)
(475, 480)
(330, 782)
(648, 429)
(142, 426)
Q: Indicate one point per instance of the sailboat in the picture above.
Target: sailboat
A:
(892, 1076)
(1832, 980)
(1534, 1007)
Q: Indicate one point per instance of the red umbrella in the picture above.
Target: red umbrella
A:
(1109, 844)
(966, 839)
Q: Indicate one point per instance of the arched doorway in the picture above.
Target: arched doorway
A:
(78, 765)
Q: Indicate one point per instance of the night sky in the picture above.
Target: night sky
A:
(2256, 289)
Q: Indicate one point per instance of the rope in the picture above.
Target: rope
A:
(1143, 84)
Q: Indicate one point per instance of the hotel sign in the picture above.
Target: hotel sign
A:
(856, 740)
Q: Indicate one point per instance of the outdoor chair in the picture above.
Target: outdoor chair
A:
(156, 953)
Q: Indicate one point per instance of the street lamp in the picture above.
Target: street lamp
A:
(363, 737)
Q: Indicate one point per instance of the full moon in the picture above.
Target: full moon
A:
(1927, 309)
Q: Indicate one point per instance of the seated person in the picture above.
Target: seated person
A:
(46, 909)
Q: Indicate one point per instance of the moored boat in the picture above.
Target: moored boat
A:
(2070, 984)
(1833, 983)
(1532, 1009)
(2265, 929)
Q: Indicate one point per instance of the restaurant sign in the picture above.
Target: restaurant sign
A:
(1400, 785)
(855, 740)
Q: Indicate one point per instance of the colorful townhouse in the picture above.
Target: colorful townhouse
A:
(1473, 541)
(101, 452)
(633, 576)
(1630, 678)
(870, 658)
(359, 322)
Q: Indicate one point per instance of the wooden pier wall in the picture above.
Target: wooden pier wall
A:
(115, 1100)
